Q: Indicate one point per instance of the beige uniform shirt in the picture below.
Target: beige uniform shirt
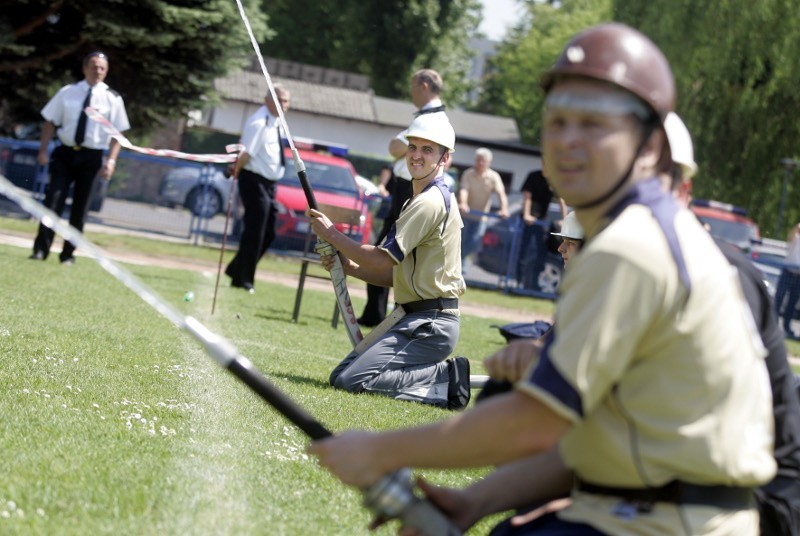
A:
(661, 384)
(426, 245)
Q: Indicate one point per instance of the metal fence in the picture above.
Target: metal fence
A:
(512, 258)
(515, 258)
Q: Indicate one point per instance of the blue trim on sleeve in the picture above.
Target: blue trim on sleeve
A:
(547, 378)
(390, 244)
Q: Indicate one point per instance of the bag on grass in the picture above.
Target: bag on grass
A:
(524, 330)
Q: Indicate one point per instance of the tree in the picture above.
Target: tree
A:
(512, 87)
(164, 55)
(736, 66)
(385, 40)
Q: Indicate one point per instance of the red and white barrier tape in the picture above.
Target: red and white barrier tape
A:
(233, 148)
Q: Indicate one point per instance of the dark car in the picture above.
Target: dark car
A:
(534, 268)
(18, 163)
(770, 258)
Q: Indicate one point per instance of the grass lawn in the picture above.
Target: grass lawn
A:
(116, 422)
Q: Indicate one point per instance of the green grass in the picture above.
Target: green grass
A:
(116, 422)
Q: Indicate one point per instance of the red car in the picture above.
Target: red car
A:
(333, 180)
(727, 222)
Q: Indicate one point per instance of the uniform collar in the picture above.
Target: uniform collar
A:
(83, 84)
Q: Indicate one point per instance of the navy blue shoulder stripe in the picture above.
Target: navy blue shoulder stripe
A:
(445, 191)
(664, 209)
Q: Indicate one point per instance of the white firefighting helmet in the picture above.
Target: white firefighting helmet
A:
(434, 127)
(570, 228)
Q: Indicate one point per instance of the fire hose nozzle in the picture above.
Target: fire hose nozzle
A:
(393, 497)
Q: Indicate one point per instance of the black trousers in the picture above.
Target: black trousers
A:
(67, 167)
(260, 223)
(378, 297)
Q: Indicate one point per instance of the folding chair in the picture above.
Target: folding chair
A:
(351, 218)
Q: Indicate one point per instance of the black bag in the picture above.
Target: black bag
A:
(524, 330)
(779, 507)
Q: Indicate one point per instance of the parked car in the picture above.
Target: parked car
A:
(500, 253)
(727, 222)
(332, 178)
(18, 163)
(769, 257)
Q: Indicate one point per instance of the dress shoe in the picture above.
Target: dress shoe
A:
(37, 256)
(68, 262)
(246, 286)
(367, 322)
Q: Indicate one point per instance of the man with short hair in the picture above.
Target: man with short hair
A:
(259, 167)
(426, 87)
(420, 259)
(656, 401)
(533, 244)
(476, 187)
(80, 156)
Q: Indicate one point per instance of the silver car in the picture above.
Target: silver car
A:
(203, 190)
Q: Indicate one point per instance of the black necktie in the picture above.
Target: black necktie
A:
(80, 132)
(280, 145)
(429, 110)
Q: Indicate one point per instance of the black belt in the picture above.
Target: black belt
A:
(258, 176)
(429, 305)
(81, 148)
(677, 492)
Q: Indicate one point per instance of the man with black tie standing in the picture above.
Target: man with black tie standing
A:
(80, 155)
(260, 166)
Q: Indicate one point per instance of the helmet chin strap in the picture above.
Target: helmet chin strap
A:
(439, 163)
(650, 126)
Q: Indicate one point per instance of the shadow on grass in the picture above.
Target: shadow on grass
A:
(303, 380)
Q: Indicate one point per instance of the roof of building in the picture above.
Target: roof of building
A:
(250, 86)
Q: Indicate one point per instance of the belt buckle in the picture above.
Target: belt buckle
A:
(629, 510)
(76, 147)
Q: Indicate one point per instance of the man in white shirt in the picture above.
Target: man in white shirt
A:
(80, 155)
(260, 166)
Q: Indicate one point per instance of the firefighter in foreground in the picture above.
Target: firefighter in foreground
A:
(652, 389)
